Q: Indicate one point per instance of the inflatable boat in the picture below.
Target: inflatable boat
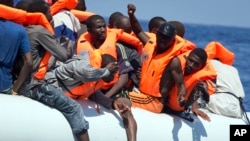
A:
(23, 119)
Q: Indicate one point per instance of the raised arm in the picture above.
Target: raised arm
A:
(135, 25)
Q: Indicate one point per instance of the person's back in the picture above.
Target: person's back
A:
(228, 89)
(66, 26)
(42, 40)
(14, 41)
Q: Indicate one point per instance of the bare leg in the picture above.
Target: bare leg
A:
(129, 122)
(130, 126)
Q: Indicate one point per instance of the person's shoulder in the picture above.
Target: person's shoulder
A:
(36, 28)
(175, 62)
(14, 25)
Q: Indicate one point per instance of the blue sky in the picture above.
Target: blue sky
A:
(209, 12)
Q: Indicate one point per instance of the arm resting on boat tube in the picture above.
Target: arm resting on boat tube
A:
(100, 98)
(109, 103)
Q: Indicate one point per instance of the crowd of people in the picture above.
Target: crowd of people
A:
(57, 52)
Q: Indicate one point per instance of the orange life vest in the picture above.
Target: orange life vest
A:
(153, 67)
(132, 40)
(108, 47)
(84, 90)
(151, 35)
(206, 73)
(62, 4)
(210, 87)
(81, 15)
(40, 19)
(12, 14)
(217, 50)
(187, 46)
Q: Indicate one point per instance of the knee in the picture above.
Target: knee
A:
(125, 101)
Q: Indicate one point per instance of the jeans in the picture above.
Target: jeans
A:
(8, 91)
(55, 98)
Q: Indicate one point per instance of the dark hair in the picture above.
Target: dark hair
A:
(106, 59)
(113, 17)
(201, 53)
(38, 6)
(7, 2)
(180, 28)
(23, 4)
(81, 5)
(91, 20)
(155, 22)
(123, 22)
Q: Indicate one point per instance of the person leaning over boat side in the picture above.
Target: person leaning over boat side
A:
(155, 57)
(14, 40)
(42, 40)
(226, 93)
(229, 93)
(99, 38)
(195, 69)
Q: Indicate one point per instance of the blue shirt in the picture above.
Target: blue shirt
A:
(13, 40)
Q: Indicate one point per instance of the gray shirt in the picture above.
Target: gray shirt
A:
(42, 40)
(78, 70)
